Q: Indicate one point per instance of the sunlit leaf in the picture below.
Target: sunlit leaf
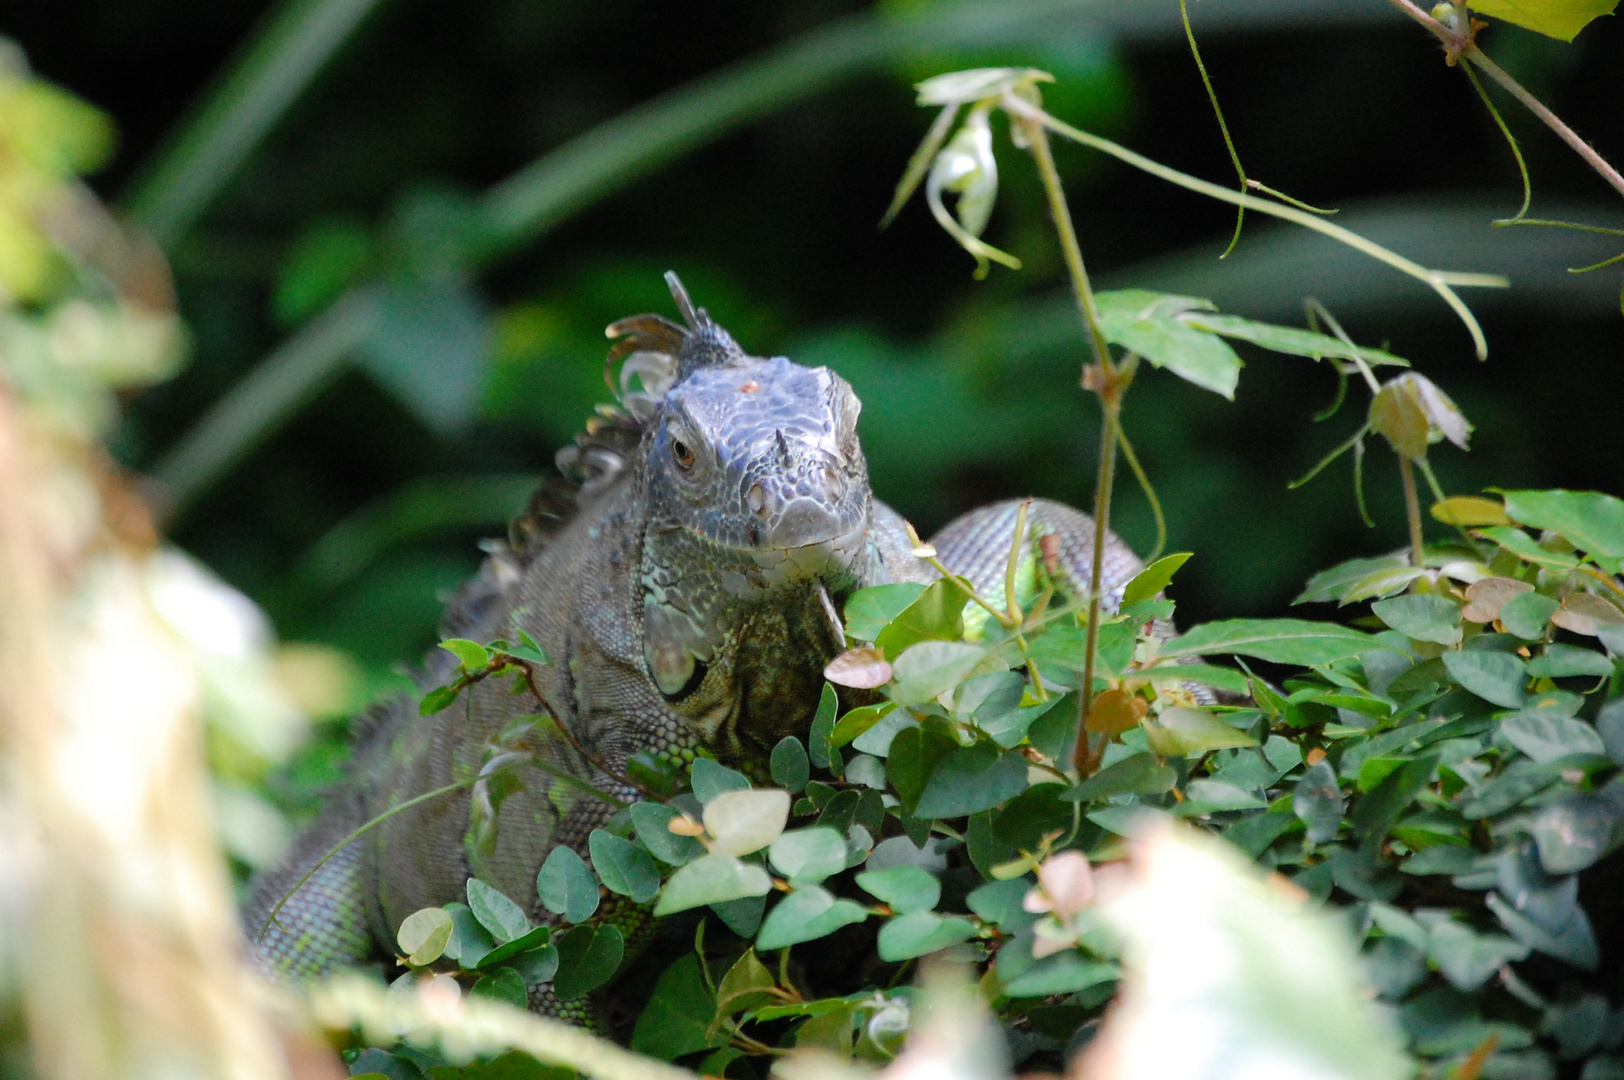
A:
(905, 888)
(1154, 578)
(746, 821)
(1186, 732)
(870, 610)
(1147, 323)
(713, 879)
(1283, 641)
(921, 932)
(808, 913)
(423, 935)
(1554, 18)
(1470, 510)
(808, 855)
(1593, 522)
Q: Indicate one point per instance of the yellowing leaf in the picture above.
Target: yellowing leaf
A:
(1553, 18)
(1470, 510)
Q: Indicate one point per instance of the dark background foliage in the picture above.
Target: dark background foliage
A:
(970, 387)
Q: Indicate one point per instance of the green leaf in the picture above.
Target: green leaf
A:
(566, 885)
(1546, 738)
(1376, 812)
(1063, 973)
(1563, 661)
(807, 856)
(470, 942)
(906, 888)
(1591, 521)
(712, 879)
(1146, 322)
(915, 753)
(711, 779)
(1422, 616)
(1154, 578)
(1527, 548)
(936, 614)
(971, 779)
(1186, 732)
(857, 721)
(1468, 958)
(652, 822)
(790, 767)
(1282, 641)
(870, 610)
(747, 984)
(1576, 943)
(1573, 831)
(818, 745)
(504, 985)
(921, 932)
(1334, 583)
(1286, 339)
(532, 955)
(502, 917)
(931, 668)
(623, 867)
(742, 916)
(1528, 615)
(423, 935)
(1493, 676)
(470, 654)
(676, 1020)
(1554, 18)
(1520, 781)
(1317, 800)
(437, 700)
(1137, 774)
(1001, 904)
(587, 958)
(808, 913)
(1222, 678)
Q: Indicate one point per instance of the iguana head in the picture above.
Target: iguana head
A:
(752, 479)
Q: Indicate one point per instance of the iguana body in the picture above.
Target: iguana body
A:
(684, 581)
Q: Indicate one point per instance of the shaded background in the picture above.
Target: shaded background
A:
(350, 516)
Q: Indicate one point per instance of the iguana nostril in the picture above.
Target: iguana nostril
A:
(756, 499)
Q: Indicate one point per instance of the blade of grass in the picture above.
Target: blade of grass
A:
(284, 56)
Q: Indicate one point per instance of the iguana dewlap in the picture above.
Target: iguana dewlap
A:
(684, 576)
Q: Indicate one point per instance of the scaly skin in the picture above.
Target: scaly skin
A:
(682, 578)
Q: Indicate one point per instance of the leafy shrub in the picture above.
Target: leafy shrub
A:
(1445, 774)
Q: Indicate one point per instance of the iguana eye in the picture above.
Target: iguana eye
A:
(684, 456)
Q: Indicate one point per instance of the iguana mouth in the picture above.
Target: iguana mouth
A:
(783, 565)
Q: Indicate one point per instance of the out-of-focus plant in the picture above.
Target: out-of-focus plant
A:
(119, 658)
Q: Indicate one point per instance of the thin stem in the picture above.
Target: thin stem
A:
(1150, 494)
(1038, 138)
(1474, 55)
(1229, 143)
(1511, 141)
(1458, 44)
(344, 843)
(1013, 566)
(1111, 420)
(1412, 508)
(1439, 281)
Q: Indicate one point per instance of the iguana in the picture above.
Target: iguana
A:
(684, 574)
